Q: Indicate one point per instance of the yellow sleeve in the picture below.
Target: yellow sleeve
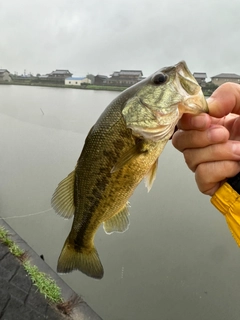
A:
(227, 201)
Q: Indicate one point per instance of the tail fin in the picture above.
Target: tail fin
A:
(86, 261)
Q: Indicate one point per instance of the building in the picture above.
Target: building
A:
(76, 81)
(60, 74)
(225, 77)
(125, 78)
(5, 75)
(101, 80)
(201, 78)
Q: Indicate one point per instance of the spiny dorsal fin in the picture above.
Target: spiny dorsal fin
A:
(118, 223)
(151, 175)
(63, 197)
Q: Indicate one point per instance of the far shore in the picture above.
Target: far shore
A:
(207, 91)
(51, 85)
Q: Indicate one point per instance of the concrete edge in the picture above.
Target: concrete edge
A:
(82, 311)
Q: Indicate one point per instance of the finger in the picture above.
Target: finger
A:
(182, 140)
(225, 100)
(193, 122)
(216, 152)
(211, 175)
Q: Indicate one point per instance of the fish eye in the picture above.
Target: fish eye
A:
(160, 78)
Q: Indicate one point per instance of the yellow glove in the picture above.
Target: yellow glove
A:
(227, 200)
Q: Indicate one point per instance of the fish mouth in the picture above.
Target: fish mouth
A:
(193, 99)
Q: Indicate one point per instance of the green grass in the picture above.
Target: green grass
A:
(45, 284)
(13, 248)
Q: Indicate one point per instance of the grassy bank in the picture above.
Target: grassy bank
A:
(45, 284)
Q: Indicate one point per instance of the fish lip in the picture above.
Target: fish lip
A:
(197, 106)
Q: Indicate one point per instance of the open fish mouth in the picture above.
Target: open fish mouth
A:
(193, 98)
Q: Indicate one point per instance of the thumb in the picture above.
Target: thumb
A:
(225, 100)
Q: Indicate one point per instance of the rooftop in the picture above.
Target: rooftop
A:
(202, 75)
(59, 71)
(4, 70)
(227, 75)
(127, 73)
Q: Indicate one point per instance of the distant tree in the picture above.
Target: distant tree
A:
(91, 77)
(211, 85)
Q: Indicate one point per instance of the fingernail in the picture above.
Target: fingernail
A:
(210, 100)
(199, 122)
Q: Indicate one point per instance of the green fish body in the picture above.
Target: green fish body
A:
(120, 150)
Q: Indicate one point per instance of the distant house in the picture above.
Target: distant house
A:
(125, 78)
(5, 75)
(76, 81)
(60, 74)
(225, 77)
(100, 80)
(200, 77)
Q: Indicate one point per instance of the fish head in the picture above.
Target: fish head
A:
(159, 101)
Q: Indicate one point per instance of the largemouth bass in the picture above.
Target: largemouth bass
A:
(120, 150)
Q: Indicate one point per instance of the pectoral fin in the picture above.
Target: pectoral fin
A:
(118, 223)
(151, 175)
(63, 197)
(130, 155)
(139, 148)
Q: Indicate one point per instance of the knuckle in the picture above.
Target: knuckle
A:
(203, 178)
(190, 159)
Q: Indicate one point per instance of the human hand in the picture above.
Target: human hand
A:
(211, 142)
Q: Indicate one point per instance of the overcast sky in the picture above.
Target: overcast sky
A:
(101, 36)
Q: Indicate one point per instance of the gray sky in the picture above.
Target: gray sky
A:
(101, 36)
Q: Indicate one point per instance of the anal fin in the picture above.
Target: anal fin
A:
(118, 223)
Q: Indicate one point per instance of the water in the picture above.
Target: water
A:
(176, 261)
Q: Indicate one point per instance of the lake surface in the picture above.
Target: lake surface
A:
(176, 261)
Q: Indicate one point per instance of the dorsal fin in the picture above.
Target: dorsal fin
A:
(63, 197)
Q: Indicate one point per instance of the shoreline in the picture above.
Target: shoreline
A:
(207, 92)
(82, 87)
